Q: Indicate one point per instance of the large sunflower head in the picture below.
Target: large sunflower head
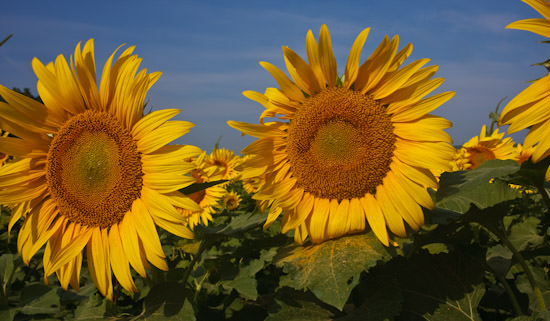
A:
(345, 149)
(482, 148)
(93, 172)
(540, 26)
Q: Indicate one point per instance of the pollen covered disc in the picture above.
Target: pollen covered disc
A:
(340, 144)
(94, 170)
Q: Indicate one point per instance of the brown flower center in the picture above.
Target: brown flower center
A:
(479, 155)
(340, 144)
(94, 170)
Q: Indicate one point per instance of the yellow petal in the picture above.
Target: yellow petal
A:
(258, 131)
(130, 243)
(147, 232)
(425, 155)
(326, 57)
(167, 182)
(538, 26)
(392, 217)
(319, 219)
(395, 80)
(428, 128)
(352, 66)
(422, 107)
(314, 60)
(164, 134)
(375, 218)
(120, 264)
(338, 216)
(63, 255)
(356, 218)
(301, 72)
(99, 265)
(152, 121)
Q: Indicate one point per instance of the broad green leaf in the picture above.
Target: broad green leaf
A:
(536, 316)
(292, 305)
(92, 309)
(459, 190)
(499, 258)
(445, 287)
(242, 223)
(168, 301)
(245, 281)
(8, 314)
(381, 300)
(456, 310)
(543, 283)
(331, 269)
(6, 272)
(524, 235)
(304, 311)
(39, 299)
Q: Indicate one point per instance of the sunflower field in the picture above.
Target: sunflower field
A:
(351, 204)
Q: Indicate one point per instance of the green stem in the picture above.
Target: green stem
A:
(509, 291)
(519, 258)
(543, 193)
(196, 258)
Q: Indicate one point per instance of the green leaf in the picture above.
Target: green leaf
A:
(331, 269)
(459, 190)
(542, 282)
(537, 316)
(8, 314)
(39, 299)
(243, 223)
(305, 311)
(499, 258)
(445, 287)
(193, 188)
(245, 281)
(524, 235)
(92, 309)
(292, 305)
(168, 301)
(6, 272)
(381, 300)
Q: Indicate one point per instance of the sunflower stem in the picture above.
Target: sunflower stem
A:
(509, 291)
(196, 258)
(544, 193)
(519, 258)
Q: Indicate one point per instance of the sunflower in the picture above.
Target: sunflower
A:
(252, 184)
(3, 157)
(524, 153)
(540, 26)
(349, 149)
(482, 148)
(92, 171)
(223, 163)
(231, 200)
(208, 199)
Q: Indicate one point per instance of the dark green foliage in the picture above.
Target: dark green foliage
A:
(481, 251)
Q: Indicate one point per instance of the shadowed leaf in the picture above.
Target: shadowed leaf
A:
(459, 190)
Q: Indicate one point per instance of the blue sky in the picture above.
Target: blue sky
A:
(209, 51)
